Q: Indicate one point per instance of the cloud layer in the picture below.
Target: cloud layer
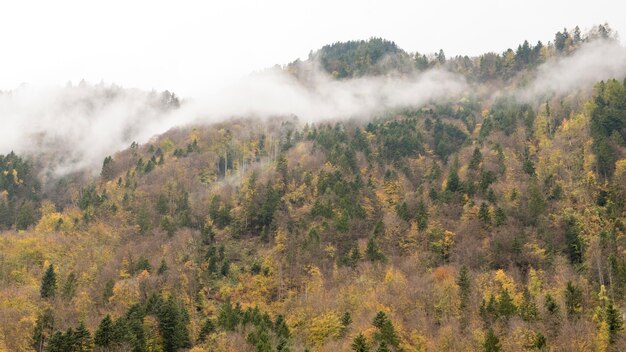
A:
(75, 127)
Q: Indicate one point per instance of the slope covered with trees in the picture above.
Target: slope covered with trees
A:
(467, 224)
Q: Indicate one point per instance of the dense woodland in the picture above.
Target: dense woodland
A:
(470, 224)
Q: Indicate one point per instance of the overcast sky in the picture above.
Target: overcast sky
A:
(193, 47)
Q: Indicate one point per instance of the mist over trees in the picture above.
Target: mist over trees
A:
(486, 217)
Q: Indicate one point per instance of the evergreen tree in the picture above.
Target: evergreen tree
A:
(104, 336)
(280, 327)
(25, 216)
(463, 280)
(454, 183)
(573, 299)
(173, 327)
(69, 287)
(372, 253)
(58, 342)
(484, 215)
(550, 304)
(108, 290)
(82, 339)
(614, 321)
(506, 306)
(528, 309)
(49, 283)
(491, 342)
(162, 268)
(359, 344)
(207, 328)
(477, 158)
(500, 216)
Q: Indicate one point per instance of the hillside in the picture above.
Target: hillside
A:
(487, 220)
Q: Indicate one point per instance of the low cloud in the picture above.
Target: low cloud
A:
(592, 62)
(75, 127)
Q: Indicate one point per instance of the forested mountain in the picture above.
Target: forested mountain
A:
(492, 220)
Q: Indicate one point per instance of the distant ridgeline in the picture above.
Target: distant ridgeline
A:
(378, 56)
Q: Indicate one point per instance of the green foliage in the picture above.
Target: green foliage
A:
(25, 216)
(491, 342)
(173, 327)
(573, 300)
(359, 58)
(104, 335)
(464, 282)
(49, 283)
(359, 344)
(484, 215)
(608, 124)
(386, 333)
(372, 252)
(108, 290)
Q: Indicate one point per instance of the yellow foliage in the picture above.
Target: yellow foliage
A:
(316, 280)
(394, 277)
(508, 283)
(279, 241)
(534, 282)
(602, 338)
(323, 327)
(125, 293)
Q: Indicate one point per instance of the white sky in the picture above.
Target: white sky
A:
(193, 47)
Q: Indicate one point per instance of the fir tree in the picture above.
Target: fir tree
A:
(49, 283)
(359, 344)
(491, 342)
(104, 336)
(82, 339)
(573, 299)
(463, 280)
(613, 320)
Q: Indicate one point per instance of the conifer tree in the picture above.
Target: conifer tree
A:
(491, 342)
(104, 336)
(359, 344)
(49, 283)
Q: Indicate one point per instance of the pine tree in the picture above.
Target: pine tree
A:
(82, 339)
(372, 253)
(162, 268)
(173, 327)
(104, 336)
(573, 300)
(69, 287)
(506, 307)
(476, 159)
(49, 283)
(491, 342)
(280, 327)
(207, 328)
(463, 280)
(108, 290)
(359, 344)
(614, 321)
(454, 183)
(528, 310)
(58, 343)
(483, 214)
(500, 216)
(550, 304)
